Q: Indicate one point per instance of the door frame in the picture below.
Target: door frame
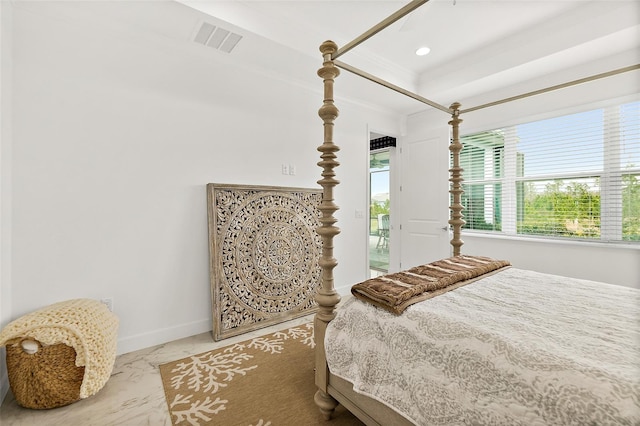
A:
(394, 210)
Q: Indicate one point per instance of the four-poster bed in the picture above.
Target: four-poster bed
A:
(371, 404)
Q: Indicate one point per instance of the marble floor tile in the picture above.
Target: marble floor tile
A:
(133, 395)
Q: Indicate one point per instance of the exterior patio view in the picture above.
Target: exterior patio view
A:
(379, 211)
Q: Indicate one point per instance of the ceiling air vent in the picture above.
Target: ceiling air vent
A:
(217, 38)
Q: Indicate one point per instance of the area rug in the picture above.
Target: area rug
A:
(264, 381)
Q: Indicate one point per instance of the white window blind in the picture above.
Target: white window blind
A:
(575, 176)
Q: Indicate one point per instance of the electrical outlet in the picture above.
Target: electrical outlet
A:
(108, 302)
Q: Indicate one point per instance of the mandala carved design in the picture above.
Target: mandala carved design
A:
(264, 255)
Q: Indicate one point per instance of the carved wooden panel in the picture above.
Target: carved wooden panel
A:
(264, 252)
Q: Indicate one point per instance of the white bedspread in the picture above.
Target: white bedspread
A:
(515, 348)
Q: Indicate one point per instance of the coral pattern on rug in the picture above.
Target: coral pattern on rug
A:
(252, 383)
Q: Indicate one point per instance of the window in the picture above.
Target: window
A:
(575, 176)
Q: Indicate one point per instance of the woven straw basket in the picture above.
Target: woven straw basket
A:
(47, 378)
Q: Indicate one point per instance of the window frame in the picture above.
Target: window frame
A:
(611, 219)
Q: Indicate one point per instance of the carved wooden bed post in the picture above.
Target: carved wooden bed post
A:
(327, 297)
(456, 179)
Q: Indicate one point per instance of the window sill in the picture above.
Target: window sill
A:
(557, 241)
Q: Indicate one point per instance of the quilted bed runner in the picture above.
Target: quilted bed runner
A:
(395, 292)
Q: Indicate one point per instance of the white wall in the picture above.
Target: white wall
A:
(5, 176)
(619, 264)
(597, 262)
(116, 132)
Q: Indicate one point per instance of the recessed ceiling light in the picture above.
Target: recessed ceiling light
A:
(423, 51)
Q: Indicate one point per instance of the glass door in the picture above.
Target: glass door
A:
(379, 208)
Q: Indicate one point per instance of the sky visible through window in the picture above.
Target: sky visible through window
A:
(380, 182)
(630, 118)
(550, 147)
(574, 143)
(379, 172)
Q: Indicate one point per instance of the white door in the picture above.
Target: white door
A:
(424, 201)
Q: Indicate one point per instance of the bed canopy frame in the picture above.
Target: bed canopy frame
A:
(327, 297)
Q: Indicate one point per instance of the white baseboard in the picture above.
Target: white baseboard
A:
(4, 387)
(158, 337)
(344, 290)
(4, 378)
